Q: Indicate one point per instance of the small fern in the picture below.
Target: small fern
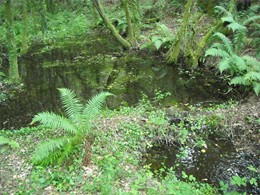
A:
(76, 127)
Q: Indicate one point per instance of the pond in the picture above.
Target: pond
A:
(90, 66)
(218, 162)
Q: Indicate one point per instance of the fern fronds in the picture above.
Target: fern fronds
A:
(49, 152)
(77, 125)
(232, 24)
(225, 64)
(239, 80)
(55, 121)
(71, 104)
(94, 106)
(4, 141)
(216, 52)
(256, 88)
(253, 76)
(239, 62)
(222, 10)
(218, 46)
(226, 41)
(253, 62)
(251, 19)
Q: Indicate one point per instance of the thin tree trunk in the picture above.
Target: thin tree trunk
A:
(13, 70)
(174, 52)
(130, 29)
(111, 27)
(25, 31)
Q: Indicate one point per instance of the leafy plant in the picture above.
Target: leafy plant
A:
(2, 75)
(244, 69)
(5, 141)
(161, 38)
(76, 127)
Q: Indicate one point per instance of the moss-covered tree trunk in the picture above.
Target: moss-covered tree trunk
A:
(136, 18)
(13, 70)
(174, 52)
(111, 27)
(25, 30)
(130, 29)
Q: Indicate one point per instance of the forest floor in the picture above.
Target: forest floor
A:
(240, 122)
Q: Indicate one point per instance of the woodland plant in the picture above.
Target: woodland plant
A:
(244, 69)
(75, 129)
(7, 142)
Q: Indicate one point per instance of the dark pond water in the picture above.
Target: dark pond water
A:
(219, 162)
(91, 65)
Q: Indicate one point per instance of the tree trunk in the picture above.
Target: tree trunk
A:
(130, 29)
(174, 52)
(111, 27)
(25, 31)
(13, 70)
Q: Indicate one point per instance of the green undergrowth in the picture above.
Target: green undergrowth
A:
(116, 163)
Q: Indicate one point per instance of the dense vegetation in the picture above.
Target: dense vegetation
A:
(91, 149)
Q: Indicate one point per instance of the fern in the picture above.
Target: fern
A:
(232, 24)
(251, 20)
(72, 105)
(245, 70)
(216, 52)
(76, 125)
(5, 141)
(94, 105)
(55, 121)
(226, 42)
(47, 152)
(225, 64)
(256, 88)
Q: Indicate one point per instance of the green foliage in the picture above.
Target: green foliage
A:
(64, 25)
(77, 126)
(160, 38)
(2, 75)
(5, 141)
(244, 69)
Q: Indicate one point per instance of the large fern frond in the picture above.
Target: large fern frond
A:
(94, 106)
(252, 62)
(239, 80)
(226, 41)
(217, 53)
(256, 88)
(69, 148)
(251, 19)
(218, 46)
(253, 76)
(222, 10)
(71, 104)
(232, 24)
(239, 62)
(224, 64)
(55, 121)
(49, 152)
